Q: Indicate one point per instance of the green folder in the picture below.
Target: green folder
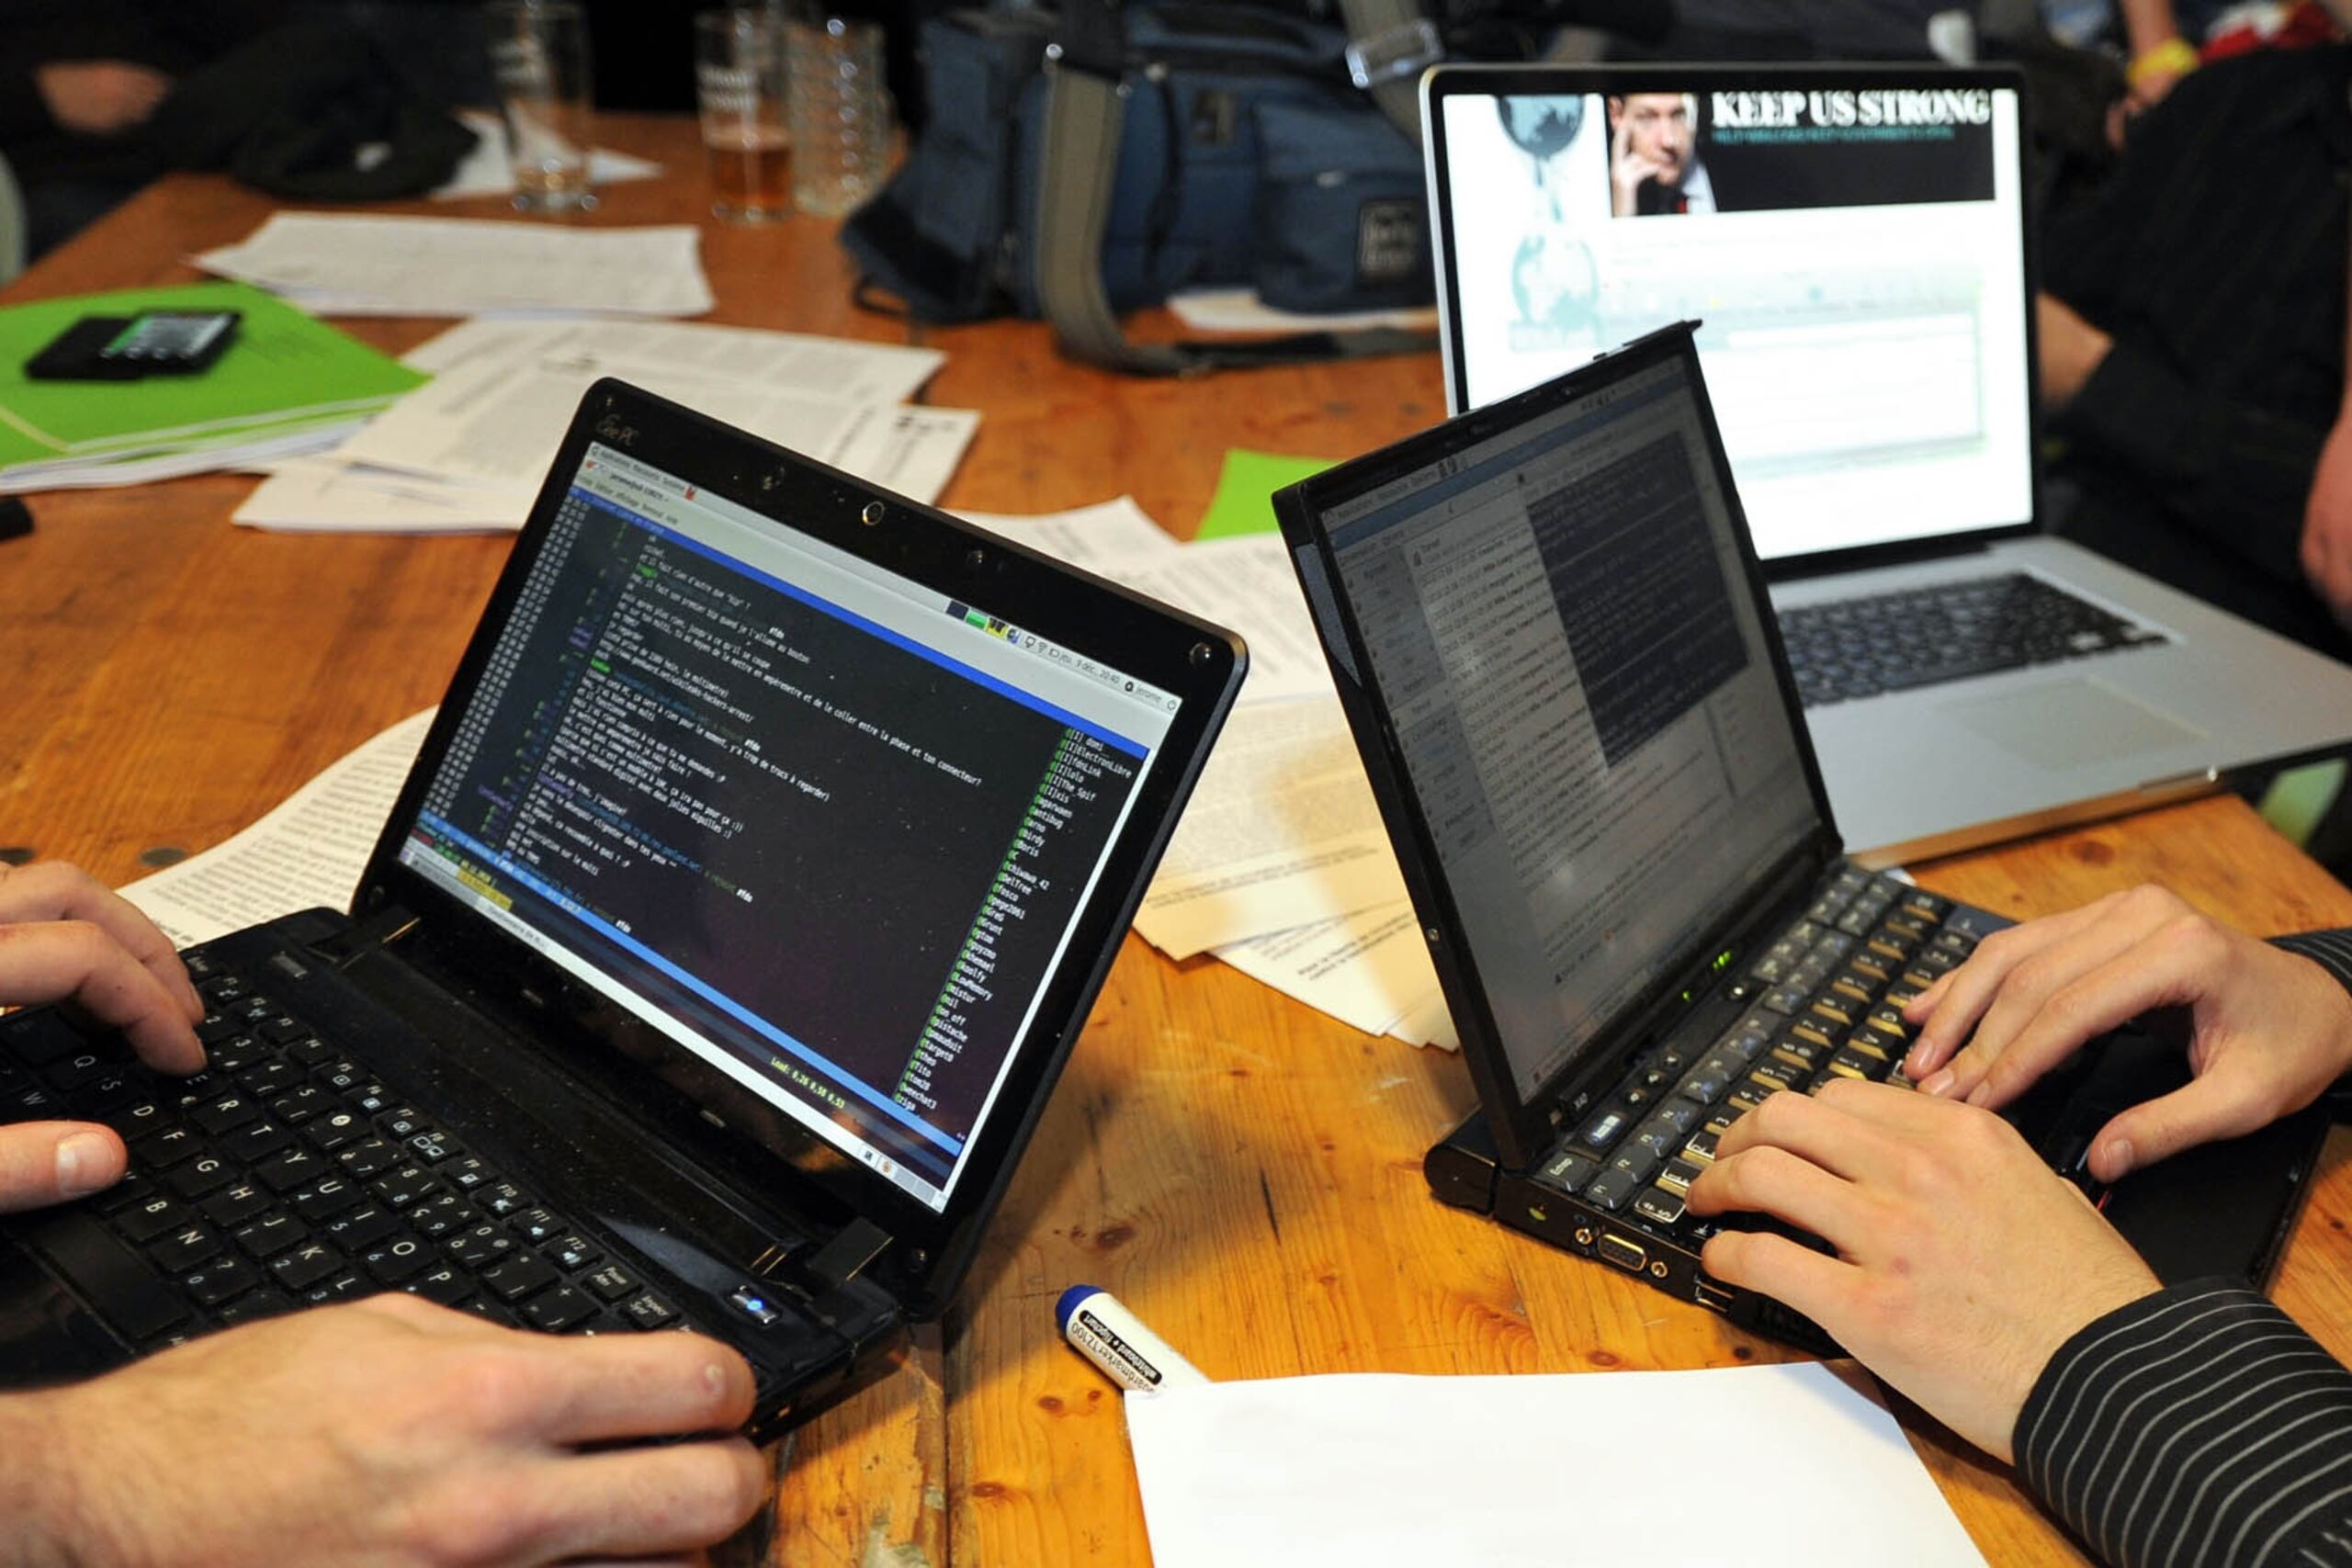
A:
(284, 371)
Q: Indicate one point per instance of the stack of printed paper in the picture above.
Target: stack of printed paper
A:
(345, 266)
(469, 450)
(1280, 866)
(286, 384)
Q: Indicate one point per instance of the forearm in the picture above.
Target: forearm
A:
(36, 1488)
(2199, 1423)
(2147, 23)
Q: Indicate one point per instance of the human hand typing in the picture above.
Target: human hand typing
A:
(2268, 1030)
(63, 938)
(1964, 1263)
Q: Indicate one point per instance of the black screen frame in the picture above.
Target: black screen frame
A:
(1444, 81)
(1200, 663)
(1522, 1124)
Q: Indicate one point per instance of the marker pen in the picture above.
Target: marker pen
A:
(1115, 1340)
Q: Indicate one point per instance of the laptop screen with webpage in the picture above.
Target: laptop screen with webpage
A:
(825, 830)
(1564, 638)
(1854, 251)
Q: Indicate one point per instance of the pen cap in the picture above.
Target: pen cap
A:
(1116, 1340)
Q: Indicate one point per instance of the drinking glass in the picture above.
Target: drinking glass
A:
(840, 113)
(539, 49)
(739, 74)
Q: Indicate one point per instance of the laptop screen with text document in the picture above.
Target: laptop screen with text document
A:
(825, 830)
(1854, 253)
(1562, 630)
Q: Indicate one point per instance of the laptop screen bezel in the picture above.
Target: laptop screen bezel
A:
(1444, 81)
(1521, 1122)
(1200, 663)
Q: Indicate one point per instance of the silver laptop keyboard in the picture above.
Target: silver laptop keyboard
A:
(1828, 997)
(1922, 636)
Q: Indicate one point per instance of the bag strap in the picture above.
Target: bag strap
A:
(1369, 23)
(1086, 106)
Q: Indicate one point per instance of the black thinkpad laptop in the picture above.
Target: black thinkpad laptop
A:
(1552, 641)
(745, 902)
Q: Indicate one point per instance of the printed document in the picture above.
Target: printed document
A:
(347, 264)
(499, 422)
(1282, 831)
(309, 852)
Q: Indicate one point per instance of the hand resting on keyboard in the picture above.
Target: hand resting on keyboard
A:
(386, 1429)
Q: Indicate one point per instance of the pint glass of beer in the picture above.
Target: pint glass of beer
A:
(739, 74)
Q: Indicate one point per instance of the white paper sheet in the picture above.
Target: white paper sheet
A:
(1281, 831)
(1247, 584)
(1428, 1023)
(339, 264)
(489, 171)
(310, 850)
(1240, 311)
(1600, 1468)
(1109, 538)
(309, 495)
(843, 369)
(500, 422)
(1370, 969)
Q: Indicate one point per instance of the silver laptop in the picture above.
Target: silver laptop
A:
(1854, 240)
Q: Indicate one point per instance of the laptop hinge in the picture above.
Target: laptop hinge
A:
(831, 1265)
(379, 930)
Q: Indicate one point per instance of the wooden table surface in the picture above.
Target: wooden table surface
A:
(1241, 1170)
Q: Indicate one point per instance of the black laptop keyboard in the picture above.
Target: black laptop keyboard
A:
(1827, 995)
(285, 1176)
(1922, 636)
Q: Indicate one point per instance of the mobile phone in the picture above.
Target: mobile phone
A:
(125, 348)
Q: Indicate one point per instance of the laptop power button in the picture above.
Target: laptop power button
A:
(754, 1304)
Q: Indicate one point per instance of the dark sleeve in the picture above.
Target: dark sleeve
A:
(2238, 475)
(23, 111)
(2198, 1426)
(2332, 951)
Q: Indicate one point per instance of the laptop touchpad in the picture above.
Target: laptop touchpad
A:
(2071, 722)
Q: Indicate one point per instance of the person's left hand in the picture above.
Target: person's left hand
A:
(2326, 546)
(1964, 1261)
(65, 938)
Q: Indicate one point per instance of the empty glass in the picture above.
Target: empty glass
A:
(539, 49)
(840, 114)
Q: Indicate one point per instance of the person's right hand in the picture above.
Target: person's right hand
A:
(100, 98)
(65, 937)
(387, 1431)
(2270, 1030)
(1627, 169)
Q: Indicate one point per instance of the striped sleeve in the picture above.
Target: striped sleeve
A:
(2195, 1429)
(2332, 951)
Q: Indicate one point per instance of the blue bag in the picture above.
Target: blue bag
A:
(1245, 157)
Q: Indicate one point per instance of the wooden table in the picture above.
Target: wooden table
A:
(1243, 1171)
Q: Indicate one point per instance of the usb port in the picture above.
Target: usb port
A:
(1622, 1253)
(1712, 1297)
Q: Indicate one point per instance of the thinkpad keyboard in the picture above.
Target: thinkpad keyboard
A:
(1827, 1002)
(1948, 631)
(283, 1176)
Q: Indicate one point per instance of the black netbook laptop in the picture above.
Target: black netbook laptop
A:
(749, 894)
(1552, 641)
